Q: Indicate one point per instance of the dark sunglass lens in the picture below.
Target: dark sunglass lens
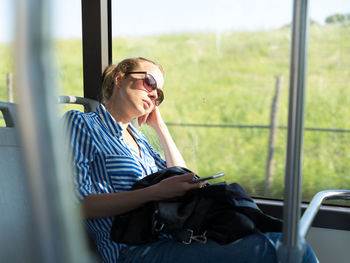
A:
(151, 81)
(160, 97)
(148, 82)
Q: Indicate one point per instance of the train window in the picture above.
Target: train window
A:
(227, 81)
(326, 148)
(7, 92)
(67, 43)
(222, 62)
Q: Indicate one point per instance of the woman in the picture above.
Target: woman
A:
(110, 155)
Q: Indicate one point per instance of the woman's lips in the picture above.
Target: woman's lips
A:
(147, 103)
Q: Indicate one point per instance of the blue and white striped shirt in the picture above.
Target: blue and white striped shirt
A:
(104, 163)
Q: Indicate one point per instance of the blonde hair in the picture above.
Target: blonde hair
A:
(122, 67)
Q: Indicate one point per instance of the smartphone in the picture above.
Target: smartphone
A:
(207, 178)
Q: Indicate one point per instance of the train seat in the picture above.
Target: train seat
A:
(16, 238)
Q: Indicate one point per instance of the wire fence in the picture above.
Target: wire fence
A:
(9, 84)
(239, 126)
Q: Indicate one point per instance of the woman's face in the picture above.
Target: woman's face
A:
(132, 92)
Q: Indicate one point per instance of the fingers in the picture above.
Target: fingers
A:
(145, 118)
(142, 119)
(180, 179)
(175, 186)
(154, 119)
(187, 178)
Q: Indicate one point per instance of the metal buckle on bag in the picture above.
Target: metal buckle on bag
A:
(199, 238)
(189, 237)
(157, 227)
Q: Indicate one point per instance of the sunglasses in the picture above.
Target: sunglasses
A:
(150, 84)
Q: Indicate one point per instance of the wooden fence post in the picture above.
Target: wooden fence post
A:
(9, 87)
(272, 138)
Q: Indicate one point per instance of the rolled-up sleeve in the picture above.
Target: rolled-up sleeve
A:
(81, 149)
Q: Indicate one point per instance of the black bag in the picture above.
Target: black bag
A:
(144, 224)
(221, 212)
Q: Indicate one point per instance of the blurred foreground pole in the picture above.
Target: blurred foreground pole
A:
(57, 229)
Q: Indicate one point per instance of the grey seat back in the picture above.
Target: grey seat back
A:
(89, 104)
(16, 239)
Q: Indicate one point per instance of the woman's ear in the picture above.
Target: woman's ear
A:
(117, 80)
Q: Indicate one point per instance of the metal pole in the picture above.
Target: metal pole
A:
(292, 248)
(56, 226)
(315, 204)
(97, 43)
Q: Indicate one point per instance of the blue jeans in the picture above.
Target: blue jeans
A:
(253, 248)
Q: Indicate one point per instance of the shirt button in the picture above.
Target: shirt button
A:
(123, 251)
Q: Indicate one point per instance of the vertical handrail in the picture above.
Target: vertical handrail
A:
(57, 229)
(292, 247)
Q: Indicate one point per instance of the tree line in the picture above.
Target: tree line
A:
(338, 18)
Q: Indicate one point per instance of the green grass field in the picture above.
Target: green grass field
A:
(229, 78)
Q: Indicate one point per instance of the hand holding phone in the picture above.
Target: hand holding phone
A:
(207, 178)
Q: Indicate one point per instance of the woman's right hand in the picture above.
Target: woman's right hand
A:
(174, 186)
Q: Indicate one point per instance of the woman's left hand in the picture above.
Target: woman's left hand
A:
(153, 119)
(172, 155)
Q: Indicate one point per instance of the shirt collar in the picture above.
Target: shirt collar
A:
(134, 130)
(109, 122)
